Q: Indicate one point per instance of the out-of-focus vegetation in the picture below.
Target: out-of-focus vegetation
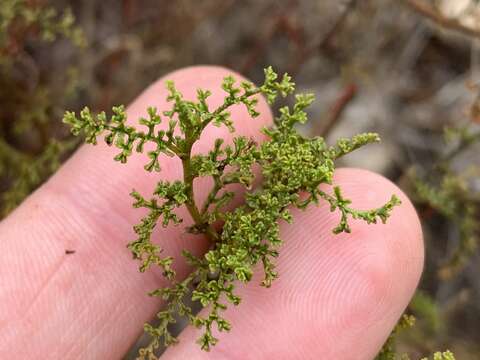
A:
(408, 69)
(30, 98)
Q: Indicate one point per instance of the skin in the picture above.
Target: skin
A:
(337, 297)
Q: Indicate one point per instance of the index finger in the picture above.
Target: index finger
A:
(92, 304)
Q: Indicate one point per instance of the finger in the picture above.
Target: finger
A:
(92, 304)
(337, 296)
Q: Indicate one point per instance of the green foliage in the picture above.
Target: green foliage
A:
(426, 309)
(22, 18)
(29, 152)
(447, 355)
(450, 194)
(289, 164)
(28, 171)
(388, 351)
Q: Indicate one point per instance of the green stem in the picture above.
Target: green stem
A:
(197, 216)
(227, 104)
(217, 186)
(190, 204)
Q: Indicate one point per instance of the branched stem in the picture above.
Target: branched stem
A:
(228, 103)
(250, 233)
(191, 205)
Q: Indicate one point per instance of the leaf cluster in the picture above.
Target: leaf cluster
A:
(292, 167)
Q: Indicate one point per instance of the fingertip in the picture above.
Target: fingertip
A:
(364, 279)
(371, 190)
(337, 296)
(398, 244)
(86, 206)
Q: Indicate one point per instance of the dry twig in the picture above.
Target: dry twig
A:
(445, 22)
(336, 110)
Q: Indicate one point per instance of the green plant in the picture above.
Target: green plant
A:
(452, 195)
(289, 163)
(406, 322)
(29, 151)
(388, 350)
(29, 171)
(20, 19)
(447, 191)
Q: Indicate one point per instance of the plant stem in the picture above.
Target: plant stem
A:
(190, 204)
(197, 216)
(226, 105)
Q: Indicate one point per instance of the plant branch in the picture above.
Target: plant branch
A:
(191, 204)
(227, 104)
(336, 110)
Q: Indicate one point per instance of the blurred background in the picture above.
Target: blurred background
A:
(407, 69)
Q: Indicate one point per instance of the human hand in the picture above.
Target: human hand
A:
(337, 297)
